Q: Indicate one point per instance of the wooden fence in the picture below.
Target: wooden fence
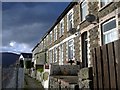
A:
(106, 66)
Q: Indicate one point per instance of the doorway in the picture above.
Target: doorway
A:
(84, 50)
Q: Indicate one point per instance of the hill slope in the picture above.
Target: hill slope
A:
(8, 58)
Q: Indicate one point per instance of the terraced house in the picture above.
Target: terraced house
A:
(68, 44)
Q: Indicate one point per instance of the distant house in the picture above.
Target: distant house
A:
(25, 60)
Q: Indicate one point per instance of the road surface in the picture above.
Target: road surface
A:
(31, 84)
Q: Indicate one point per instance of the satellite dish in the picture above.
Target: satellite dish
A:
(90, 18)
(72, 30)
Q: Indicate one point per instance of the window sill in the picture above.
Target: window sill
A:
(82, 22)
(50, 43)
(55, 40)
(61, 36)
(55, 62)
(103, 7)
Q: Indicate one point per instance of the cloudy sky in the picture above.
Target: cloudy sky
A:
(25, 23)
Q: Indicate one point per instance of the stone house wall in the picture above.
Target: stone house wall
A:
(94, 33)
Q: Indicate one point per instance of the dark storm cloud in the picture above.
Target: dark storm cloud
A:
(28, 22)
(21, 13)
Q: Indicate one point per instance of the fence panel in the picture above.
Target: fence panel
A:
(106, 66)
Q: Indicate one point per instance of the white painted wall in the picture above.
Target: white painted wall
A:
(21, 57)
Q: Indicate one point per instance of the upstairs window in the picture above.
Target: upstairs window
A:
(83, 10)
(50, 37)
(42, 45)
(55, 34)
(47, 40)
(104, 2)
(44, 42)
(70, 20)
(110, 32)
(61, 28)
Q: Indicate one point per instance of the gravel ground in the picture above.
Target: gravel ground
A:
(31, 84)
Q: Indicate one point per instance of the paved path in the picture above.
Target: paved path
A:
(31, 83)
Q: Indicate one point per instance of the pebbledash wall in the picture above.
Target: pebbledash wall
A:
(63, 46)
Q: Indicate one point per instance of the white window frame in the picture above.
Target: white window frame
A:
(42, 44)
(50, 37)
(70, 12)
(106, 3)
(71, 45)
(61, 27)
(55, 33)
(81, 8)
(55, 54)
(61, 54)
(47, 40)
(108, 32)
(50, 57)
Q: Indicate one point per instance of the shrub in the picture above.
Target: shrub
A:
(40, 70)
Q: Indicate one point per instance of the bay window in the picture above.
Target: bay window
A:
(110, 32)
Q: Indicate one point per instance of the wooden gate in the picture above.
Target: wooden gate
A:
(106, 66)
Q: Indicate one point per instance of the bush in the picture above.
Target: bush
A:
(40, 70)
(45, 76)
(28, 64)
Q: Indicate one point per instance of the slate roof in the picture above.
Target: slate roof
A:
(71, 4)
(27, 55)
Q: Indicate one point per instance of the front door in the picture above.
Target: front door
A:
(84, 50)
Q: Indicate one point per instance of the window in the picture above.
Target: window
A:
(50, 56)
(47, 40)
(42, 45)
(70, 49)
(70, 20)
(50, 37)
(44, 42)
(83, 10)
(110, 32)
(55, 54)
(55, 33)
(61, 28)
(61, 54)
(104, 2)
